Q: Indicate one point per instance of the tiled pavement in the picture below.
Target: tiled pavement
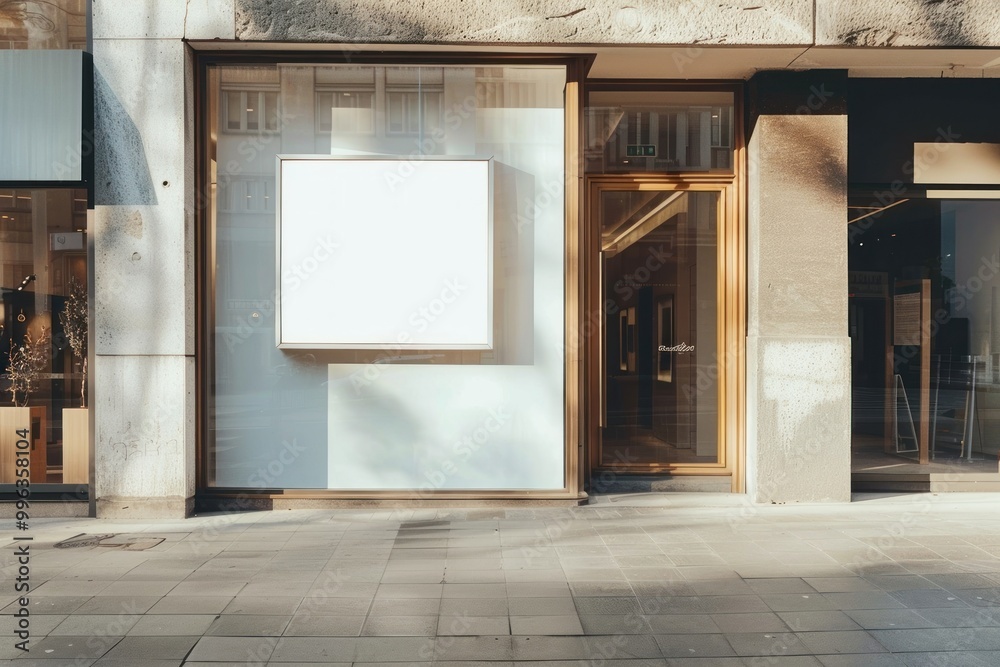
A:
(630, 581)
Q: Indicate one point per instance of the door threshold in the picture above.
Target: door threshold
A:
(609, 481)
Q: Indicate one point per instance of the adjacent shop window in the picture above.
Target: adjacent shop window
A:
(925, 327)
(43, 334)
(43, 24)
(659, 131)
(394, 412)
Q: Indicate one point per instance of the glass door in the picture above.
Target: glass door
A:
(662, 310)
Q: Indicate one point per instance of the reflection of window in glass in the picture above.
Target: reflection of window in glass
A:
(659, 131)
(345, 111)
(246, 195)
(250, 110)
(498, 93)
(412, 111)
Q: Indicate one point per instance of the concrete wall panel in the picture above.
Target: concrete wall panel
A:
(798, 260)
(164, 19)
(145, 296)
(144, 458)
(955, 23)
(798, 351)
(144, 239)
(799, 394)
(139, 122)
(528, 21)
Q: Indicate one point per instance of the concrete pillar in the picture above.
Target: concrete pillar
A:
(143, 338)
(798, 350)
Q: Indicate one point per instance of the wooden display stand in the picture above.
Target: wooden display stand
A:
(76, 446)
(32, 420)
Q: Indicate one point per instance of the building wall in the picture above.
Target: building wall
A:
(145, 195)
(758, 22)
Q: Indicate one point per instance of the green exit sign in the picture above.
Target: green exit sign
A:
(640, 150)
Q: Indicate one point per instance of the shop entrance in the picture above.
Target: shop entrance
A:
(660, 365)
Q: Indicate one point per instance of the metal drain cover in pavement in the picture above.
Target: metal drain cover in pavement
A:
(111, 540)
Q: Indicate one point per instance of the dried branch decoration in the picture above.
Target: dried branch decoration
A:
(25, 362)
(74, 322)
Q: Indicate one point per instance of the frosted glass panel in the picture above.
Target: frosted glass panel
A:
(393, 414)
(497, 432)
(42, 105)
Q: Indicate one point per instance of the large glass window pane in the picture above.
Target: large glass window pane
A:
(659, 131)
(392, 417)
(659, 265)
(43, 333)
(924, 318)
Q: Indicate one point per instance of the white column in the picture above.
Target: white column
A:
(143, 338)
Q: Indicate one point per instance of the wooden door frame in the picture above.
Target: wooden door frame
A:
(730, 336)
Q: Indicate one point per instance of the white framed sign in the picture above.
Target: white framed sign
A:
(376, 252)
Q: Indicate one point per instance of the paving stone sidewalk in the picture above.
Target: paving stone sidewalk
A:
(629, 581)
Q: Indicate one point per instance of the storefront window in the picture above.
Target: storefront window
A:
(386, 416)
(43, 24)
(925, 329)
(43, 334)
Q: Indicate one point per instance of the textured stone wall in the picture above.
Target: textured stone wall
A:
(798, 351)
(868, 23)
(959, 23)
(529, 21)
